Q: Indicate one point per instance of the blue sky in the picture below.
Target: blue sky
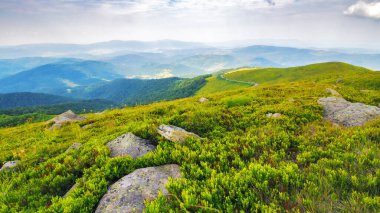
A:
(324, 23)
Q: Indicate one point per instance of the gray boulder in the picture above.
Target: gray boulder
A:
(175, 134)
(129, 193)
(130, 144)
(9, 165)
(66, 117)
(274, 115)
(340, 111)
(202, 100)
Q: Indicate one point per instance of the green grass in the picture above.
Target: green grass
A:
(244, 162)
(217, 84)
(363, 82)
(358, 77)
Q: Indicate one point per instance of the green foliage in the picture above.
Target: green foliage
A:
(217, 84)
(332, 72)
(27, 99)
(245, 162)
(85, 106)
(9, 121)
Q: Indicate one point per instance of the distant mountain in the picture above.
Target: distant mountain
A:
(27, 99)
(57, 77)
(12, 66)
(94, 49)
(287, 56)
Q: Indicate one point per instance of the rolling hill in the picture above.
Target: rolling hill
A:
(244, 161)
(142, 91)
(57, 77)
(27, 99)
(332, 72)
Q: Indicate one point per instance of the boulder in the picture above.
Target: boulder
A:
(65, 117)
(340, 111)
(175, 134)
(202, 100)
(333, 92)
(9, 165)
(129, 144)
(274, 115)
(74, 146)
(129, 193)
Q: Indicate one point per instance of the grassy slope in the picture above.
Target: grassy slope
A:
(324, 72)
(361, 81)
(246, 161)
(217, 84)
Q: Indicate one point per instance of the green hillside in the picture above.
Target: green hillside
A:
(217, 84)
(332, 72)
(244, 162)
(27, 99)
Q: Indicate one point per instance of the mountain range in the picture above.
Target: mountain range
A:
(135, 72)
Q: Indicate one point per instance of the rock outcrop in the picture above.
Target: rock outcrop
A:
(129, 193)
(202, 100)
(129, 144)
(74, 146)
(175, 134)
(274, 115)
(66, 117)
(340, 111)
(9, 165)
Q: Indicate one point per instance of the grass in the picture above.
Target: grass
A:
(245, 161)
(322, 73)
(217, 84)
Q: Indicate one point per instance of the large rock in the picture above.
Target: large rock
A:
(129, 144)
(340, 111)
(9, 165)
(175, 134)
(274, 115)
(65, 117)
(202, 100)
(129, 193)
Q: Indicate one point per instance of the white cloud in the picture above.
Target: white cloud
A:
(365, 9)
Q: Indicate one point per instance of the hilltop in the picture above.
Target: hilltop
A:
(245, 159)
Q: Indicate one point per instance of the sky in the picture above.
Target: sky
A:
(318, 23)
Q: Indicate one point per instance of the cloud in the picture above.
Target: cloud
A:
(365, 9)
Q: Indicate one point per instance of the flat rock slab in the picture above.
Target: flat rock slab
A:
(175, 134)
(130, 144)
(65, 117)
(9, 165)
(129, 193)
(340, 111)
